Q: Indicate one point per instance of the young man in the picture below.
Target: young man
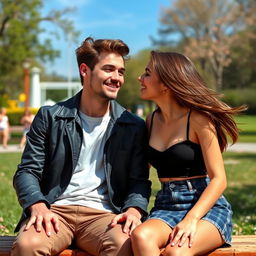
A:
(84, 175)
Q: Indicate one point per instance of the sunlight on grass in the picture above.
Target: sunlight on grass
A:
(247, 125)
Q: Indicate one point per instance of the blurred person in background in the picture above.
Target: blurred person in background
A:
(26, 121)
(4, 127)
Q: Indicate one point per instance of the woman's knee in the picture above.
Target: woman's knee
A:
(177, 251)
(141, 234)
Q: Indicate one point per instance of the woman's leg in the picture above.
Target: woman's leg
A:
(206, 239)
(5, 137)
(149, 237)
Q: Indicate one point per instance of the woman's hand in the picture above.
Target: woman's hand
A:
(184, 230)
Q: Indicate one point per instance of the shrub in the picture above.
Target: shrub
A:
(238, 97)
(15, 114)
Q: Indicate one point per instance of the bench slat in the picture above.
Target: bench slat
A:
(73, 252)
(241, 246)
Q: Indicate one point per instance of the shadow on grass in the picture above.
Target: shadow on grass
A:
(249, 156)
(243, 202)
(248, 133)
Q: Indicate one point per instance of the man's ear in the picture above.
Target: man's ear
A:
(84, 69)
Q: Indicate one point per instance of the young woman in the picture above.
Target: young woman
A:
(187, 135)
(4, 127)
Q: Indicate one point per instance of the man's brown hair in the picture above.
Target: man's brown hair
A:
(90, 50)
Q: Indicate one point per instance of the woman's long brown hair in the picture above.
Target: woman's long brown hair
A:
(179, 74)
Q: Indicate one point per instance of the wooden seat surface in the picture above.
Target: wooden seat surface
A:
(241, 246)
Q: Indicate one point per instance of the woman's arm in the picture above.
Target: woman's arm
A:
(203, 132)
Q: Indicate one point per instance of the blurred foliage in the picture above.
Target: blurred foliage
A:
(210, 32)
(129, 94)
(19, 39)
(237, 97)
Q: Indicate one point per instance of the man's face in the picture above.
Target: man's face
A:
(107, 77)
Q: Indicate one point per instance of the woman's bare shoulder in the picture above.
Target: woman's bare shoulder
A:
(201, 121)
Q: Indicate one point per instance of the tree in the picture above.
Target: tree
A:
(208, 30)
(19, 38)
(129, 96)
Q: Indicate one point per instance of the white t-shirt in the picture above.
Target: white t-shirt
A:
(88, 182)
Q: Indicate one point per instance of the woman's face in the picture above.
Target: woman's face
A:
(151, 86)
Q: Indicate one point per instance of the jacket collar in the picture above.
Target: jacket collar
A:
(69, 110)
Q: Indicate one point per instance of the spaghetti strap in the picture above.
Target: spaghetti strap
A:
(188, 124)
(151, 123)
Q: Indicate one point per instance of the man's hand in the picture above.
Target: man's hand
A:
(42, 216)
(131, 217)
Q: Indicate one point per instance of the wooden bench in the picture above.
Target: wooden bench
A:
(241, 246)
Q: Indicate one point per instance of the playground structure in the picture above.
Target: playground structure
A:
(37, 95)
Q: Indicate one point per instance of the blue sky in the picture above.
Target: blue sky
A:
(133, 21)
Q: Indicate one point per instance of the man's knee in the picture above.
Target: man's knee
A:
(27, 246)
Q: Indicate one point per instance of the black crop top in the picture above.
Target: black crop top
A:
(183, 159)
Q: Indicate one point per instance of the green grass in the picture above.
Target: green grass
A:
(247, 125)
(10, 209)
(241, 191)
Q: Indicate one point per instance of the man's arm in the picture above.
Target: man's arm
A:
(28, 176)
(139, 185)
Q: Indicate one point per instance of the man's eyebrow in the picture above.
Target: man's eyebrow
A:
(147, 70)
(113, 66)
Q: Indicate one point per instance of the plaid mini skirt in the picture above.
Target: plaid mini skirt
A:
(176, 198)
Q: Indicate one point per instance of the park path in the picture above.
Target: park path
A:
(238, 147)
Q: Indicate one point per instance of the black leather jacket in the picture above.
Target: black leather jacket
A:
(52, 151)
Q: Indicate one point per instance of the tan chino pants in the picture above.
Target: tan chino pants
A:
(89, 228)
